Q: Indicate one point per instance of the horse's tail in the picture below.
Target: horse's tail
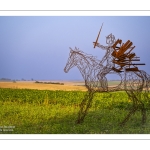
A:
(146, 87)
(146, 78)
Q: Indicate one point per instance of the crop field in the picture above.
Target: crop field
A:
(33, 111)
(67, 85)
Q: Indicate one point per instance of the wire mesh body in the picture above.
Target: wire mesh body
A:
(94, 74)
(120, 60)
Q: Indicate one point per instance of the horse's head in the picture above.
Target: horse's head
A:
(110, 39)
(71, 61)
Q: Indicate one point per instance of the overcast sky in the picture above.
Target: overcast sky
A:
(38, 47)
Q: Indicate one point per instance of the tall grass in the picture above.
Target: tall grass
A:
(55, 112)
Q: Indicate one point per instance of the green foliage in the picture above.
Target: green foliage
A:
(55, 112)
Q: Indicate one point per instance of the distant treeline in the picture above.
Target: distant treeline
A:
(5, 79)
(50, 82)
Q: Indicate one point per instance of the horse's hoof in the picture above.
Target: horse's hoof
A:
(79, 121)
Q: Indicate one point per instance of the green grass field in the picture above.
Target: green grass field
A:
(29, 111)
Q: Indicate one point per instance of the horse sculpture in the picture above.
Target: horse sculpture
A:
(134, 81)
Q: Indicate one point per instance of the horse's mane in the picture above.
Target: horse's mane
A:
(93, 59)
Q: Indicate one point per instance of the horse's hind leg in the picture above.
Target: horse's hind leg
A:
(145, 95)
(143, 112)
(84, 106)
(142, 107)
(137, 104)
(132, 111)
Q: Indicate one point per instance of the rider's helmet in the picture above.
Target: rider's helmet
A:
(110, 39)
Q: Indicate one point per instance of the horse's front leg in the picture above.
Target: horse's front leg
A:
(84, 106)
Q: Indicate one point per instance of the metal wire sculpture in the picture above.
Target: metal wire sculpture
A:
(117, 60)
